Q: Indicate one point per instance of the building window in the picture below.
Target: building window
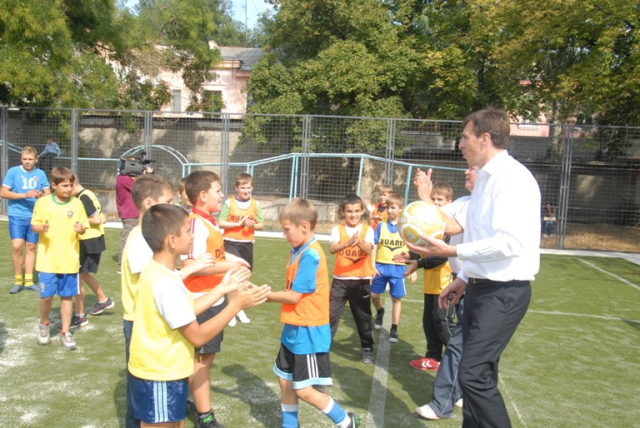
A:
(212, 101)
(527, 123)
(176, 100)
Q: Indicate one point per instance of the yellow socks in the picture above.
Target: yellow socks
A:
(28, 280)
(19, 279)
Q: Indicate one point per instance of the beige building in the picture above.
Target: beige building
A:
(231, 82)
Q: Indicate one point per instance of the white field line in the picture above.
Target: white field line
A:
(619, 278)
(375, 417)
(503, 388)
(573, 314)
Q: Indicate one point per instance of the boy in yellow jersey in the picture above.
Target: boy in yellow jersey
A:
(437, 324)
(59, 219)
(205, 193)
(386, 244)
(148, 190)
(165, 329)
(352, 242)
(379, 210)
(240, 216)
(92, 245)
(303, 360)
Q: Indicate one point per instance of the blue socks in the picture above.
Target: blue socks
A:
(289, 415)
(335, 412)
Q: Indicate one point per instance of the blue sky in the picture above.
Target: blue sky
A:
(254, 8)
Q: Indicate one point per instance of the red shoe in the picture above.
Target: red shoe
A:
(425, 364)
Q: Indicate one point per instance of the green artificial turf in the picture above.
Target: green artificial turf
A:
(572, 363)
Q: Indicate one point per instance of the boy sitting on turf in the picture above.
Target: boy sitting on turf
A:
(205, 193)
(303, 360)
(92, 245)
(22, 186)
(59, 219)
(165, 328)
(386, 244)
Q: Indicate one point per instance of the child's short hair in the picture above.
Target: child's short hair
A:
(29, 150)
(60, 174)
(396, 199)
(351, 199)
(161, 221)
(181, 184)
(299, 210)
(244, 178)
(443, 189)
(385, 188)
(149, 186)
(199, 181)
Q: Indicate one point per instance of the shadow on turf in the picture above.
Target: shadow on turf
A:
(634, 324)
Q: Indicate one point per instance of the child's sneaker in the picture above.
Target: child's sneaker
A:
(233, 322)
(67, 342)
(367, 356)
(99, 308)
(32, 287)
(379, 317)
(393, 336)
(43, 337)
(16, 288)
(354, 421)
(77, 322)
(243, 318)
(208, 421)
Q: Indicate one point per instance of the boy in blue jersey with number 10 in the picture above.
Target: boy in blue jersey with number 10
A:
(22, 186)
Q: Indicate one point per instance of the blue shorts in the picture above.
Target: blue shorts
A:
(396, 286)
(156, 402)
(20, 228)
(62, 284)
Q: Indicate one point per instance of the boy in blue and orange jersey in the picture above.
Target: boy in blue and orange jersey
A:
(240, 216)
(352, 242)
(303, 360)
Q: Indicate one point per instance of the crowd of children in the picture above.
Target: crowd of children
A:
(174, 319)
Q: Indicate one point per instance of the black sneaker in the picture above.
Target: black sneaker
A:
(191, 406)
(77, 322)
(367, 356)
(379, 317)
(99, 308)
(393, 336)
(354, 421)
(208, 421)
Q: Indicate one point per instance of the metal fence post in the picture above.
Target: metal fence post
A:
(389, 155)
(148, 132)
(304, 165)
(74, 140)
(565, 183)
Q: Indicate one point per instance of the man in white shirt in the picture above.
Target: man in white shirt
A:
(500, 255)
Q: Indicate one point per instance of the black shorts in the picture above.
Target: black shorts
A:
(212, 346)
(89, 262)
(244, 250)
(303, 370)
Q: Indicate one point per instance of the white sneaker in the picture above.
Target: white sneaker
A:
(67, 342)
(43, 337)
(233, 322)
(243, 318)
(459, 403)
(427, 412)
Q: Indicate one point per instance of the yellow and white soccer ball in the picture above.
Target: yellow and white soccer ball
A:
(422, 217)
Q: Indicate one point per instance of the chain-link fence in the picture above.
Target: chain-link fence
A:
(588, 176)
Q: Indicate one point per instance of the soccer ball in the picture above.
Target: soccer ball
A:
(422, 217)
